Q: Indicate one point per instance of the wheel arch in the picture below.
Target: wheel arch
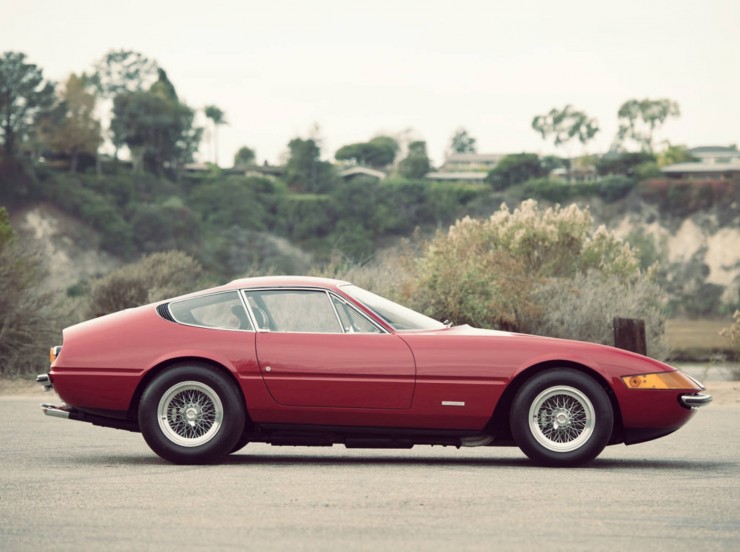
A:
(498, 425)
(165, 365)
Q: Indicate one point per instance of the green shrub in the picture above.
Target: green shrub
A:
(523, 270)
(613, 188)
(554, 191)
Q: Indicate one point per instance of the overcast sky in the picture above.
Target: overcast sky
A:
(357, 69)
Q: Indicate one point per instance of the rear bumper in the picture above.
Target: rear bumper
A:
(694, 401)
(62, 411)
(69, 413)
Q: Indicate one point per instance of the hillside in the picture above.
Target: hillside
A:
(699, 251)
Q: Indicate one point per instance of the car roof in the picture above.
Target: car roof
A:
(284, 281)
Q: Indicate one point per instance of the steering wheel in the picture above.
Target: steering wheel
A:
(260, 316)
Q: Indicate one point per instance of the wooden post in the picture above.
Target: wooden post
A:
(629, 334)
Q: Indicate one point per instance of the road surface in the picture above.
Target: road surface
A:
(67, 485)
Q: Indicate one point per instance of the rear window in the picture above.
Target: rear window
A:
(221, 310)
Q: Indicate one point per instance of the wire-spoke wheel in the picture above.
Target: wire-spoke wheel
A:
(192, 414)
(561, 417)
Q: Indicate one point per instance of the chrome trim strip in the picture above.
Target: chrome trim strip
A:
(695, 401)
(334, 309)
(453, 403)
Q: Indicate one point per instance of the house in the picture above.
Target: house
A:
(476, 177)
(716, 154)
(358, 171)
(703, 170)
(471, 162)
(713, 162)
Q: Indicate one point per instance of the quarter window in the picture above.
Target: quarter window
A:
(221, 310)
(353, 321)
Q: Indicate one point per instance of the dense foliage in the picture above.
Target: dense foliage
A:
(540, 271)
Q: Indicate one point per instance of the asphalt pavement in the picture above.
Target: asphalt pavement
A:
(68, 485)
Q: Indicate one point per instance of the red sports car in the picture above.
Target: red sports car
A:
(311, 361)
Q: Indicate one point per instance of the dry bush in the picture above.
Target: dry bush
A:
(27, 314)
(153, 278)
(732, 334)
(584, 307)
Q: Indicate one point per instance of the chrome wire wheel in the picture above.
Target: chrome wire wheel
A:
(562, 418)
(190, 413)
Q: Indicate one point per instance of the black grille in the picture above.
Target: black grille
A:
(164, 312)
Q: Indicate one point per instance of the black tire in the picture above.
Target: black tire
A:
(192, 414)
(242, 442)
(561, 417)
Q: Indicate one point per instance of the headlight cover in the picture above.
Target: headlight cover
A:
(662, 380)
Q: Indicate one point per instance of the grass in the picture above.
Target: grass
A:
(697, 339)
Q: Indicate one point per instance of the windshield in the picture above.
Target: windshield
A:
(398, 317)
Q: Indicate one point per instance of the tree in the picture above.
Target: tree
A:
(386, 149)
(416, 164)
(155, 126)
(304, 170)
(244, 157)
(674, 154)
(122, 72)
(218, 118)
(623, 163)
(377, 153)
(23, 95)
(462, 142)
(71, 127)
(638, 120)
(515, 169)
(565, 124)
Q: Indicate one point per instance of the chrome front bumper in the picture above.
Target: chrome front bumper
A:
(695, 401)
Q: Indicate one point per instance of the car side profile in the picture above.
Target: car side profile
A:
(317, 362)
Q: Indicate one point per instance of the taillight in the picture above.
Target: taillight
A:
(54, 353)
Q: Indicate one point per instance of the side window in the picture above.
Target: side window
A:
(220, 310)
(293, 311)
(353, 321)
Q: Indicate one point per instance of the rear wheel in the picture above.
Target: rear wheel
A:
(191, 415)
(561, 417)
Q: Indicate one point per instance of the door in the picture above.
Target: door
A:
(316, 350)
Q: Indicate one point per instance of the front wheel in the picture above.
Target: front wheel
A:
(561, 417)
(191, 415)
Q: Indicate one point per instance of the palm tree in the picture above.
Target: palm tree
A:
(219, 118)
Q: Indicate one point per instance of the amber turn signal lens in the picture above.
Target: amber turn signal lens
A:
(54, 353)
(661, 380)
